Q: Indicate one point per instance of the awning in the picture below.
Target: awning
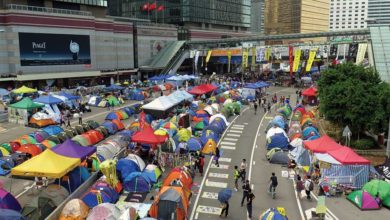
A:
(41, 76)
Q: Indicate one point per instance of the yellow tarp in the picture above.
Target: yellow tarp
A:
(47, 164)
(24, 89)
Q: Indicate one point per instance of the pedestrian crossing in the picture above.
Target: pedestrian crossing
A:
(218, 176)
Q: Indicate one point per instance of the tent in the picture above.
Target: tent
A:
(53, 130)
(170, 202)
(273, 214)
(381, 187)
(93, 136)
(74, 178)
(138, 160)
(71, 149)
(384, 169)
(94, 100)
(178, 177)
(31, 149)
(4, 152)
(75, 209)
(118, 124)
(82, 140)
(137, 182)
(312, 91)
(5, 166)
(194, 144)
(114, 87)
(278, 140)
(98, 195)
(104, 211)
(279, 158)
(112, 100)
(48, 99)
(275, 130)
(9, 214)
(322, 145)
(310, 131)
(125, 167)
(47, 164)
(112, 115)
(220, 117)
(363, 200)
(152, 172)
(346, 155)
(202, 89)
(24, 90)
(147, 136)
(26, 103)
(69, 96)
(8, 201)
(110, 126)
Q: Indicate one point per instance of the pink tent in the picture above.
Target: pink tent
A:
(202, 89)
(322, 145)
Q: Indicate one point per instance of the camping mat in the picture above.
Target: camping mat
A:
(136, 197)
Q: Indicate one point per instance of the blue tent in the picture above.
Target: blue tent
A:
(111, 116)
(3, 92)
(272, 214)
(137, 182)
(194, 144)
(208, 134)
(279, 121)
(9, 214)
(125, 167)
(111, 127)
(307, 132)
(278, 140)
(53, 129)
(312, 138)
(5, 167)
(113, 87)
(48, 99)
(69, 96)
(76, 177)
(129, 111)
(218, 130)
(106, 195)
(136, 94)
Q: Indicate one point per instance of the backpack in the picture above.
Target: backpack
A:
(311, 186)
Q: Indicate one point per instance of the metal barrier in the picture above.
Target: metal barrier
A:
(47, 10)
(343, 180)
(171, 160)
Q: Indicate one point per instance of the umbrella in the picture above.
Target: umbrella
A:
(24, 89)
(273, 214)
(224, 195)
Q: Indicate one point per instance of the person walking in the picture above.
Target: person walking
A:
(62, 119)
(309, 186)
(225, 209)
(201, 164)
(299, 185)
(255, 106)
(217, 155)
(81, 117)
(243, 167)
(273, 183)
(245, 192)
(68, 122)
(251, 197)
(269, 107)
(236, 175)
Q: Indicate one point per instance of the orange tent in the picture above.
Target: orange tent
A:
(168, 86)
(171, 198)
(178, 177)
(95, 136)
(42, 123)
(32, 149)
(119, 124)
(91, 140)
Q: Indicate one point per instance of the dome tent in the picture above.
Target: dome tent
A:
(137, 182)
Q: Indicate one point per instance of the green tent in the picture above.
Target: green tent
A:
(379, 186)
(26, 103)
(112, 100)
(199, 126)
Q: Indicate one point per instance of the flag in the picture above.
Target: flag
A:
(229, 53)
(361, 53)
(291, 60)
(161, 8)
(312, 55)
(145, 6)
(297, 59)
(152, 6)
(142, 116)
(253, 56)
(208, 56)
(245, 55)
(259, 54)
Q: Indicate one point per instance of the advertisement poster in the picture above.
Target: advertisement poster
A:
(38, 49)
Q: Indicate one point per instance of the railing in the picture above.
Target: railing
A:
(172, 160)
(47, 10)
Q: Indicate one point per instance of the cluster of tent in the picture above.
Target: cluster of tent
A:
(365, 198)
(137, 94)
(249, 89)
(103, 102)
(344, 166)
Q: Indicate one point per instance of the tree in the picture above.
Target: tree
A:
(354, 95)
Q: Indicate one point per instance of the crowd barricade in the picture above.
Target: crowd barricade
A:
(171, 160)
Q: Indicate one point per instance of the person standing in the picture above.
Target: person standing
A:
(273, 183)
(251, 197)
(243, 167)
(225, 209)
(236, 175)
(201, 164)
(62, 119)
(309, 186)
(269, 107)
(81, 117)
(217, 155)
(299, 185)
(255, 106)
(68, 122)
(245, 192)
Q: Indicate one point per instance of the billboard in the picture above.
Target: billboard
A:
(38, 49)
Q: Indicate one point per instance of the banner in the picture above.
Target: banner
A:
(352, 51)
(229, 53)
(312, 55)
(53, 49)
(297, 59)
(259, 54)
(267, 54)
(208, 56)
(253, 56)
(196, 59)
(245, 54)
(361, 53)
(291, 60)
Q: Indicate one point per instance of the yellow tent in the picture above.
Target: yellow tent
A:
(209, 147)
(47, 164)
(24, 89)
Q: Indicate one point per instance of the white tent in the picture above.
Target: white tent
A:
(161, 104)
(137, 160)
(275, 130)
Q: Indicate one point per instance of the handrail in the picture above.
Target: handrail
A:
(47, 10)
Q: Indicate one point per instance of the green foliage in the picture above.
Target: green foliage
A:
(354, 95)
(364, 144)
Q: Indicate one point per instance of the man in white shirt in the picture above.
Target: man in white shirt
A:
(309, 186)
(243, 167)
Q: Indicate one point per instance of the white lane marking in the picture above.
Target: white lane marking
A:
(215, 184)
(245, 123)
(210, 195)
(228, 143)
(207, 170)
(237, 125)
(221, 166)
(254, 146)
(228, 147)
(219, 175)
(254, 162)
(253, 187)
(237, 128)
(230, 139)
(225, 159)
(233, 135)
(209, 210)
(257, 146)
(234, 131)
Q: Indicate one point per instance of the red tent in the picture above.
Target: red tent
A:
(322, 145)
(147, 136)
(346, 155)
(202, 89)
(312, 91)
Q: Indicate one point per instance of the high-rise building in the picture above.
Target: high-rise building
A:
(378, 12)
(257, 16)
(296, 16)
(348, 14)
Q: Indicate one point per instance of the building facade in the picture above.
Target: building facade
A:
(257, 16)
(348, 14)
(296, 16)
(378, 12)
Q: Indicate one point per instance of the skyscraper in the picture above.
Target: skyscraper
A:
(257, 16)
(348, 14)
(378, 12)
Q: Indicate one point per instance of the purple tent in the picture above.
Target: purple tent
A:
(70, 149)
(8, 201)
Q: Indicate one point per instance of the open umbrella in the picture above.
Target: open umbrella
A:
(273, 214)
(224, 195)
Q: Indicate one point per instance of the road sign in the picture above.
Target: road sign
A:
(347, 132)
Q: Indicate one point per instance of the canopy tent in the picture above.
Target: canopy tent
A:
(48, 99)
(47, 164)
(310, 92)
(114, 87)
(26, 103)
(363, 200)
(162, 103)
(23, 90)
(346, 155)
(322, 145)
(202, 89)
(147, 136)
(70, 149)
(69, 96)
